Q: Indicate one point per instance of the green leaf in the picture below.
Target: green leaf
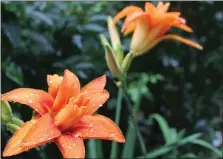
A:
(181, 134)
(207, 145)
(129, 146)
(189, 139)
(13, 72)
(188, 155)
(164, 127)
(6, 114)
(95, 149)
(159, 151)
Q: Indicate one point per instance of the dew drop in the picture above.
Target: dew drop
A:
(100, 105)
(69, 147)
(112, 135)
(30, 101)
(62, 145)
(76, 135)
(51, 81)
(91, 125)
(31, 94)
(91, 130)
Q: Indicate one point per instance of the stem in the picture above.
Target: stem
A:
(114, 149)
(130, 107)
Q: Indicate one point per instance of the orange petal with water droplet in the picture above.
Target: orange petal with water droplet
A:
(70, 87)
(13, 146)
(39, 100)
(125, 12)
(99, 127)
(96, 100)
(68, 116)
(43, 131)
(96, 84)
(32, 134)
(54, 82)
(71, 146)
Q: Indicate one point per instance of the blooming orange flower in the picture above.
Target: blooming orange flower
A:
(65, 116)
(149, 26)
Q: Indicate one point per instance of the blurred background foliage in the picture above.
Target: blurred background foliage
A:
(178, 82)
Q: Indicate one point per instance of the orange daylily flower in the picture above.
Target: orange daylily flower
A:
(65, 116)
(149, 26)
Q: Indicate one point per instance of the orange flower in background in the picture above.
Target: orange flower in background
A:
(149, 26)
(65, 116)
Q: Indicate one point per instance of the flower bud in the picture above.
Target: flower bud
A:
(127, 62)
(12, 127)
(111, 59)
(6, 115)
(115, 40)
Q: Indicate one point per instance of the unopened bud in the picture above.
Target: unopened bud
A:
(6, 114)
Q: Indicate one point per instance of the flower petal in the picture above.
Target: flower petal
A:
(14, 147)
(183, 40)
(93, 100)
(98, 126)
(54, 82)
(150, 8)
(39, 100)
(183, 27)
(71, 146)
(33, 133)
(175, 37)
(96, 84)
(130, 28)
(125, 12)
(135, 16)
(43, 131)
(70, 87)
(68, 116)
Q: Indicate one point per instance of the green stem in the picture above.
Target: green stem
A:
(114, 149)
(130, 107)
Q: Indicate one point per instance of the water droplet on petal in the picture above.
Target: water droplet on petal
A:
(76, 135)
(100, 105)
(112, 135)
(69, 147)
(30, 101)
(91, 130)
